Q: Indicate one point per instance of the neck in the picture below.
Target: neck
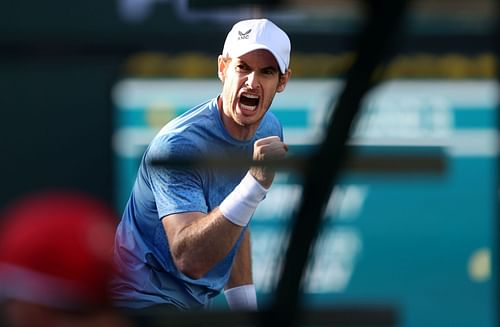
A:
(237, 131)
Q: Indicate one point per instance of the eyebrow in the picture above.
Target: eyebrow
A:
(272, 67)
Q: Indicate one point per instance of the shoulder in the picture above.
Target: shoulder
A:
(167, 145)
(270, 125)
(183, 134)
(271, 119)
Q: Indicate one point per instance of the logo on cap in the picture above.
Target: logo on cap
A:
(244, 36)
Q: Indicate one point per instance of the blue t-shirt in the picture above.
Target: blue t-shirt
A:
(147, 273)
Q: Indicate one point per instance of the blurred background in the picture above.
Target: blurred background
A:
(85, 86)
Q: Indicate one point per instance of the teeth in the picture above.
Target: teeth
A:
(245, 107)
(248, 106)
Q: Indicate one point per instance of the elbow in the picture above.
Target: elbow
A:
(190, 267)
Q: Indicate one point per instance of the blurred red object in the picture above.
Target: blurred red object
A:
(56, 250)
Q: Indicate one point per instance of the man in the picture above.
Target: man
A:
(184, 236)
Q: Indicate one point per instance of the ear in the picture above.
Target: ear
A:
(221, 68)
(284, 80)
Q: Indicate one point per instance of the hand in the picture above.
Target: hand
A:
(268, 148)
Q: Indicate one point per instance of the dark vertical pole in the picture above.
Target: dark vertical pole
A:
(383, 18)
(496, 220)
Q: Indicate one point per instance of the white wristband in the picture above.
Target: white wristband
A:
(239, 206)
(242, 298)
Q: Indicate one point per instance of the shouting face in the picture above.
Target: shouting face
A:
(249, 85)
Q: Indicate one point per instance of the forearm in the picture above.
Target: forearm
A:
(241, 270)
(240, 291)
(200, 244)
(199, 241)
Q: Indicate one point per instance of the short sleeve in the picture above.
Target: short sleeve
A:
(178, 189)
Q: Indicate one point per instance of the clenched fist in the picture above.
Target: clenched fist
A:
(268, 148)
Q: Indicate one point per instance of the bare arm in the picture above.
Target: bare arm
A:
(199, 241)
(239, 291)
(241, 271)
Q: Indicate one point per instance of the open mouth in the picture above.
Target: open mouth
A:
(249, 101)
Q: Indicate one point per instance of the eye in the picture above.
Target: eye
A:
(242, 67)
(269, 71)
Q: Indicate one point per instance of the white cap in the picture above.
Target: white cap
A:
(253, 34)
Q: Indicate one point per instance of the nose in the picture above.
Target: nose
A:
(252, 81)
